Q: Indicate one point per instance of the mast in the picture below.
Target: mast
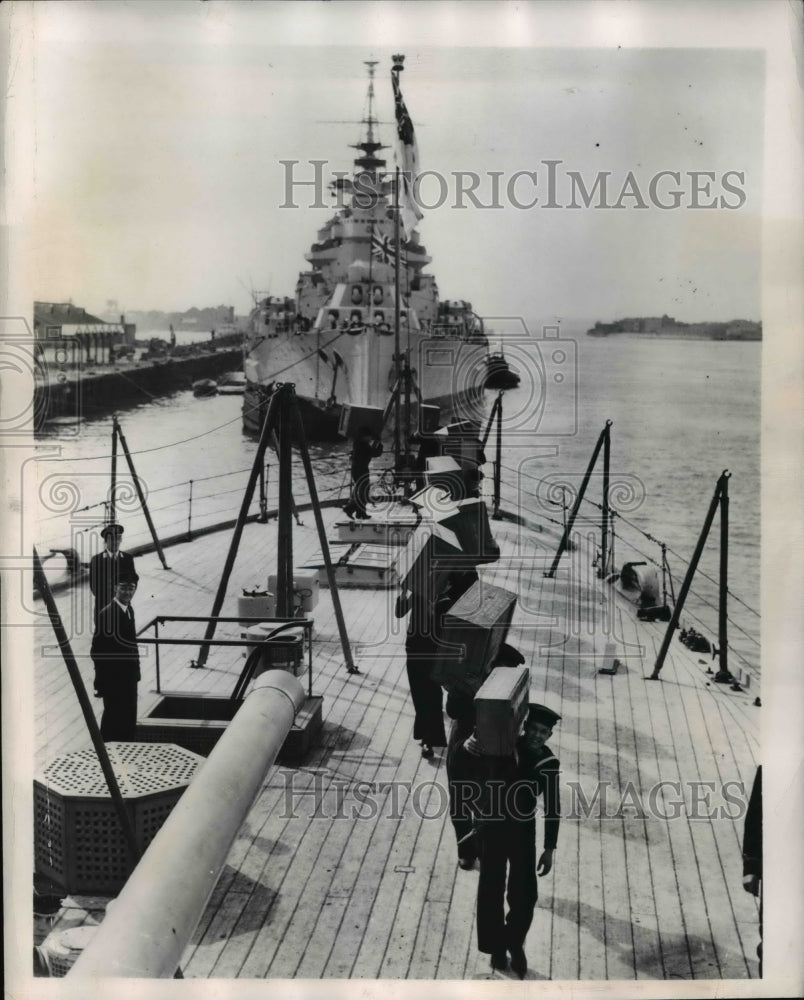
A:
(397, 348)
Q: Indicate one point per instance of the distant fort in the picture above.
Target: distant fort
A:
(666, 326)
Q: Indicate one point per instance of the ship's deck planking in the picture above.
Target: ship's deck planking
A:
(310, 891)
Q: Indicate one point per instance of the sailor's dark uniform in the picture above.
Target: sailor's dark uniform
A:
(507, 843)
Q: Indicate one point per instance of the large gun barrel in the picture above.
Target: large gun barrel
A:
(146, 931)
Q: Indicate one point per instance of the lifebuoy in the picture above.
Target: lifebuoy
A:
(357, 295)
(355, 329)
(377, 295)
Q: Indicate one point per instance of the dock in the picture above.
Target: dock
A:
(77, 389)
(346, 866)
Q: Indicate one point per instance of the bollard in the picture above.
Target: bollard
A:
(144, 935)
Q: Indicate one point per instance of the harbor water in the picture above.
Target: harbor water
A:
(682, 412)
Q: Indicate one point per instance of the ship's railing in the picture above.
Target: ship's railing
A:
(462, 331)
(187, 508)
(282, 625)
(745, 646)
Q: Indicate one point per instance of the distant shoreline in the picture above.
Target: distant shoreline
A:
(667, 327)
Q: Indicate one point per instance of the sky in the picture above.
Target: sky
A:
(158, 132)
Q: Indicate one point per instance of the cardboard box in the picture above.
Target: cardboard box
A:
(354, 417)
(501, 705)
(477, 624)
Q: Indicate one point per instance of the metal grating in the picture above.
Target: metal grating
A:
(77, 837)
(140, 769)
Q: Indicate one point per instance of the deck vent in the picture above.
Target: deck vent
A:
(78, 841)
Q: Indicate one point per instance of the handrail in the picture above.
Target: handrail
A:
(144, 935)
(285, 625)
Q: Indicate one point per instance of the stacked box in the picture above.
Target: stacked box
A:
(354, 417)
(475, 627)
(501, 705)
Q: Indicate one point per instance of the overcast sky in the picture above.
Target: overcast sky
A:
(159, 131)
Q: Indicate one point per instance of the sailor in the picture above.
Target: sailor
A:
(365, 448)
(421, 648)
(423, 645)
(106, 568)
(429, 447)
(507, 838)
(117, 662)
(461, 766)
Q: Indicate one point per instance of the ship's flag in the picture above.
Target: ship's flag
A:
(382, 248)
(407, 156)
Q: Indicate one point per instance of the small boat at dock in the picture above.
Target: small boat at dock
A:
(205, 387)
(232, 384)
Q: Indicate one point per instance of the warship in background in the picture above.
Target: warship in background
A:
(335, 339)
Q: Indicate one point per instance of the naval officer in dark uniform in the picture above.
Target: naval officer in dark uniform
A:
(507, 839)
(116, 657)
(364, 448)
(106, 568)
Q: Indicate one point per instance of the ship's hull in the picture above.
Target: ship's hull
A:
(331, 370)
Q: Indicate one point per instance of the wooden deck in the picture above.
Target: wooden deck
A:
(346, 866)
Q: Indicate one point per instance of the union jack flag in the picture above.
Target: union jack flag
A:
(383, 248)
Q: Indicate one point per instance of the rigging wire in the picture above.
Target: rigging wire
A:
(645, 534)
